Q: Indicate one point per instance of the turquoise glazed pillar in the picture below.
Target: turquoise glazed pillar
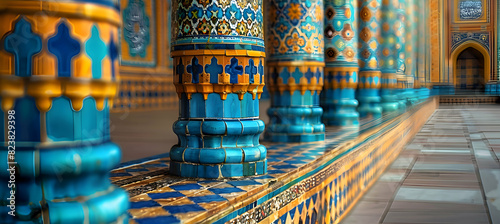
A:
(402, 79)
(338, 98)
(295, 64)
(59, 75)
(498, 40)
(411, 40)
(218, 53)
(421, 49)
(369, 75)
(388, 57)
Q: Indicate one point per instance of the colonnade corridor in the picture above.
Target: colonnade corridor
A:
(249, 111)
(449, 173)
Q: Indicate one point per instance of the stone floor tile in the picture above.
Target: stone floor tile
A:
(491, 182)
(464, 196)
(437, 217)
(419, 166)
(441, 183)
(409, 206)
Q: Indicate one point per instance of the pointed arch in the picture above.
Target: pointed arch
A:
(473, 44)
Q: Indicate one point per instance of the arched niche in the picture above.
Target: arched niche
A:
(477, 46)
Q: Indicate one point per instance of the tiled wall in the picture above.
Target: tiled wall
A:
(146, 92)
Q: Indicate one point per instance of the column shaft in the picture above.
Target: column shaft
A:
(295, 65)
(369, 75)
(498, 39)
(388, 56)
(402, 78)
(421, 49)
(59, 77)
(218, 52)
(338, 98)
(411, 40)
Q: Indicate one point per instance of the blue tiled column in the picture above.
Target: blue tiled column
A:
(295, 65)
(411, 42)
(338, 98)
(421, 49)
(219, 77)
(369, 75)
(55, 99)
(498, 42)
(388, 57)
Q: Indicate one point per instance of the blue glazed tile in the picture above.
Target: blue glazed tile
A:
(232, 170)
(154, 165)
(280, 156)
(120, 175)
(185, 187)
(144, 204)
(232, 108)
(261, 167)
(214, 110)
(189, 170)
(284, 167)
(207, 181)
(209, 171)
(243, 183)
(298, 99)
(295, 162)
(272, 159)
(165, 195)
(225, 190)
(174, 209)
(26, 108)
(207, 198)
(59, 120)
(197, 105)
(275, 171)
(264, 177)
(301, 158)
(136, 170)
(159, 219)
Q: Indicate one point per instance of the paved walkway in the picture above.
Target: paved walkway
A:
(450, 173)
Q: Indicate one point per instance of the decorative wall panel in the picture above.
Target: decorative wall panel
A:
(138, 33)
(467, 11)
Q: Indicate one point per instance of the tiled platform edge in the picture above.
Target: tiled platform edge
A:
(340, 177)
(305, 182)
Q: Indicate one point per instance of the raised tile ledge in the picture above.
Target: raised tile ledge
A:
(315, 180)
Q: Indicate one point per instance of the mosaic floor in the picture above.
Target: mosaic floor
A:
(450, 173)
(157, 197)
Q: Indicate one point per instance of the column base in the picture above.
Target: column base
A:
(66, 185)
(343, 114)
(389, 100)
(370, 106)
(295, 124)
(217, 171)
